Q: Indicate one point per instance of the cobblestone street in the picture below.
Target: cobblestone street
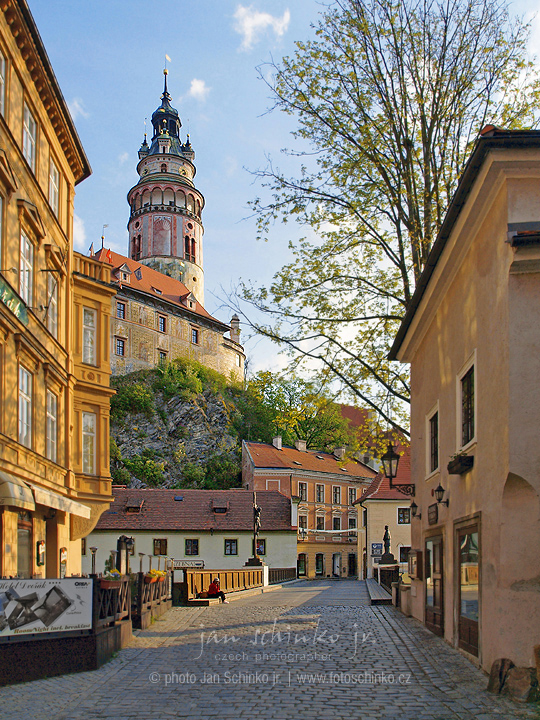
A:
(315, 650)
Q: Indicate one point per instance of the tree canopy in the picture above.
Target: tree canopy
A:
(389, 98)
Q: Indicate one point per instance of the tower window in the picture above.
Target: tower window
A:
(194, 336)
(189, 251)
(163, 167)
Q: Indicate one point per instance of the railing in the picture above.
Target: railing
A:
(198, 581)
(151, 594)
(112, 602)
(279, 575)
(91, 268)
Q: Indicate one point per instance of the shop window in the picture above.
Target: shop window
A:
(160, 547)
(319, 564)
(29, 137)
(89, 443)
(52, 425)
(89, 336)
(231, 547)
(24, 545)
(301, 564)
(192, 546)
(404, 516)
(25, 406)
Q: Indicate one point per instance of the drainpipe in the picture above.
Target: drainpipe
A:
(362, 558)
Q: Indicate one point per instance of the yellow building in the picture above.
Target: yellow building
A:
(54, 323)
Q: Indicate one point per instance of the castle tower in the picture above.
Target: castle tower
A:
(165, 227)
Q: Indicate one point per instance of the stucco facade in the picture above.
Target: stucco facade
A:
(472, 337)
(54, 323)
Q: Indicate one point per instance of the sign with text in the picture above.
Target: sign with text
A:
(188, 564)
(376, 549)
(31, 607)
(10, 298)
(433, 514)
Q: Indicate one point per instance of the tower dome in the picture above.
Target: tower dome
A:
(165, 226)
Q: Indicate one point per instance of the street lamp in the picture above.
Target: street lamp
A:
(93, 550)
(390, 462)
(439, 494)
(414, 510)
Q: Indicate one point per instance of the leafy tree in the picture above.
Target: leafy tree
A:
(389, 97)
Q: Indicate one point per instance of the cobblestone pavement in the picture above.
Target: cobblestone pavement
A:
(315, 650)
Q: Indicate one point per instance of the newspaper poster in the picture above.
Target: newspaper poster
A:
(30, 607)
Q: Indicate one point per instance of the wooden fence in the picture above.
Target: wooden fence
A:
(197, 581)
(279, 575)
(149, 595)
(112, 602)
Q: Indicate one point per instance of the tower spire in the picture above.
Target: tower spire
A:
(165, 91)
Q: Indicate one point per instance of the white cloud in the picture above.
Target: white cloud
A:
(252, 24)
(76, 108)
(79, 234)
(123, 158)
(198, 89)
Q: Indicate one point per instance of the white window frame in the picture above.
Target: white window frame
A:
(302, 490)
(323, 518)
(54, 187)
(317, 486)
(52, 426)
(26, 269)
(26, 382)
(52, 305)
(29, 137)
(89, 438)
(2, 83)
(430, 414)
(303, 518)
(334, 488)
(338, 518)
(89, 336)
(350, 491)
(116, 341)
(471, 362)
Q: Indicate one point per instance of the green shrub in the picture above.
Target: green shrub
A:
(145, 468)
(132, 398)
(193, 474)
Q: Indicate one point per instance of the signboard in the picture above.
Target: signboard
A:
(376, 549)
(188, 564)
(10, 298)
(433, 514)
(29, 607)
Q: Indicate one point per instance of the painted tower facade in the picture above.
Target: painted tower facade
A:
(165, 226)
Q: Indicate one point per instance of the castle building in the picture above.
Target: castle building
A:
(158, 313)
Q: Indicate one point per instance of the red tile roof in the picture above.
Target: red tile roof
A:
(171, 290)
(196, 510)
(380, 487)
(268, 456)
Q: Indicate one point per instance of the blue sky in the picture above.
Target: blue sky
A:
(108, 56)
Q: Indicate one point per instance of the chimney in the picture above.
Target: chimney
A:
(300, 445)
(277, 443)
(235, 329)
(339, 453)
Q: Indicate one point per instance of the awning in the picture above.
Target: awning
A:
(54, 500)
(15, 492)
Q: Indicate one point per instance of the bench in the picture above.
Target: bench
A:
(203, 599)
(377, 594)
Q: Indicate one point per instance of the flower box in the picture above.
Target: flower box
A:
(461, 464)
(110, 584)
(161, 578)
(150, 579)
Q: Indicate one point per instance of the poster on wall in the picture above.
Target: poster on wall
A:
(31, 607)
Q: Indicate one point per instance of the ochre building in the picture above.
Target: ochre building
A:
(54, 323)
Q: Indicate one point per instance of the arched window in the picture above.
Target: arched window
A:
(193, 250)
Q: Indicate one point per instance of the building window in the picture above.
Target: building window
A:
(162, 357)
(26, 278)
(352, 526)
(162, 323)
(25, 407)
(231, 547)
(192, 547)
(404, 553)
(194, 336)
(404, 516)
(160, 547)
(364, 518)
(352, 495)
(336, 523)
(302, 491)
(261, 546)
(89, 336)
(320, 522)
(336, 495)
(52, 425)
(467, 406)
(29, 137)
(121, 310)
(52, 305)
(89, 443)
(54, 187)
(302, 522)
(434, 442)
(120, 346)
(319, 564)
(83, 546)
(319, 493)
(238, 360)
(2, 83)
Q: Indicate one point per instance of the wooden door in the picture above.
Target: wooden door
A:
(468, 589)
(434, 585)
